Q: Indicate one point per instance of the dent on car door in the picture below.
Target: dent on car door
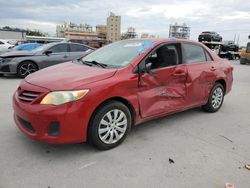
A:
(201, 73)
(163, 89)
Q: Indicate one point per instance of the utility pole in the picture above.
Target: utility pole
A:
(238, 39)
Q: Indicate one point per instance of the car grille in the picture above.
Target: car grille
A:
(28, 96)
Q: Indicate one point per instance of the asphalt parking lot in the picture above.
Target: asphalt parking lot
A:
(208, 150)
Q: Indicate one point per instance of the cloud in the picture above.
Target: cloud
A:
(154, 16)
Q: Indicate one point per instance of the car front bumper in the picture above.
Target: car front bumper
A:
(8, 68)
(61, 124)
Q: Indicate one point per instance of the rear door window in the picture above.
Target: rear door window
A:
(78, 48)
(60, 48)
(193, 53)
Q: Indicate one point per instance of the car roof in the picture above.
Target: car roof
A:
(55, 43)
(157, 41)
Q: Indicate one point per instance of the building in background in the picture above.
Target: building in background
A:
(101, 31)
(113, 27)
(79, 35)
(179, 31)
(14, 34)
(73, 31)
(147, 35)
(83, 33)
(130, 34)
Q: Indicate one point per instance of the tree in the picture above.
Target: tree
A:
(35, 33)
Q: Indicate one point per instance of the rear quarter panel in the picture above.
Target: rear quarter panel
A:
(225, 72)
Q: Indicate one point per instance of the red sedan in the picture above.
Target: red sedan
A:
(102, 95)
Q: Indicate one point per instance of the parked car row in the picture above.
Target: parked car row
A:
(23, 63)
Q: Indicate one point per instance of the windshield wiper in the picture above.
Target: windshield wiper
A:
(94, 63)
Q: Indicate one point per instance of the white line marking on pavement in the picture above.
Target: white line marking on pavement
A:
(87, 165)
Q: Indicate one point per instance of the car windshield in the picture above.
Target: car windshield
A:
(119, 54)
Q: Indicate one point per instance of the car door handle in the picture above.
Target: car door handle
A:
(212, 68)
(65, 56)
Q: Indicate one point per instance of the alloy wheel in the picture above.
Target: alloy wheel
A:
(112, 126)
(217, 98)
(27, 68)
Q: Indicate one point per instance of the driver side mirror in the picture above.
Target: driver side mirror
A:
(148, 66)
(148, 69)
(145, 67)
(48, 52)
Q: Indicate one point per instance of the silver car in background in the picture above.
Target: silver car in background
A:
(23, 63)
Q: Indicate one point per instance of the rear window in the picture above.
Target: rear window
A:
(59, 48)
(78, 48)
(193, 53)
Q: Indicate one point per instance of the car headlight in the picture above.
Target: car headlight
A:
(7, 60)
(62, 97)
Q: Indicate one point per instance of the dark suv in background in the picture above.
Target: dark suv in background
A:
(209, 36)
(230, 46)
(23, 63)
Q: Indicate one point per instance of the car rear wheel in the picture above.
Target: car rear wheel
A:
(216, 99)
(109, 125)
(26, 68)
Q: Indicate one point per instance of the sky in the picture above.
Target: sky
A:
(227, 17)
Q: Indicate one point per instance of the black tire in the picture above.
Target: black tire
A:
(93, 130)
(29, 66)
(210, 107)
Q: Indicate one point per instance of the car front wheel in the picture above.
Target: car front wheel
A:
(216, 98)
(109, 125)
(26, 68)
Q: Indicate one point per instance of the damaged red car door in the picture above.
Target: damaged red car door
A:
(163, 88)
(201, 73)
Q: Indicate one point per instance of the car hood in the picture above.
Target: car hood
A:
(68, 76)
(17, 54)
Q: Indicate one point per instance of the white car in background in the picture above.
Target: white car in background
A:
(5, 44)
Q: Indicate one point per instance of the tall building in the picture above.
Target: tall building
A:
(113, 27)
(179, 31)
(101, 31)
